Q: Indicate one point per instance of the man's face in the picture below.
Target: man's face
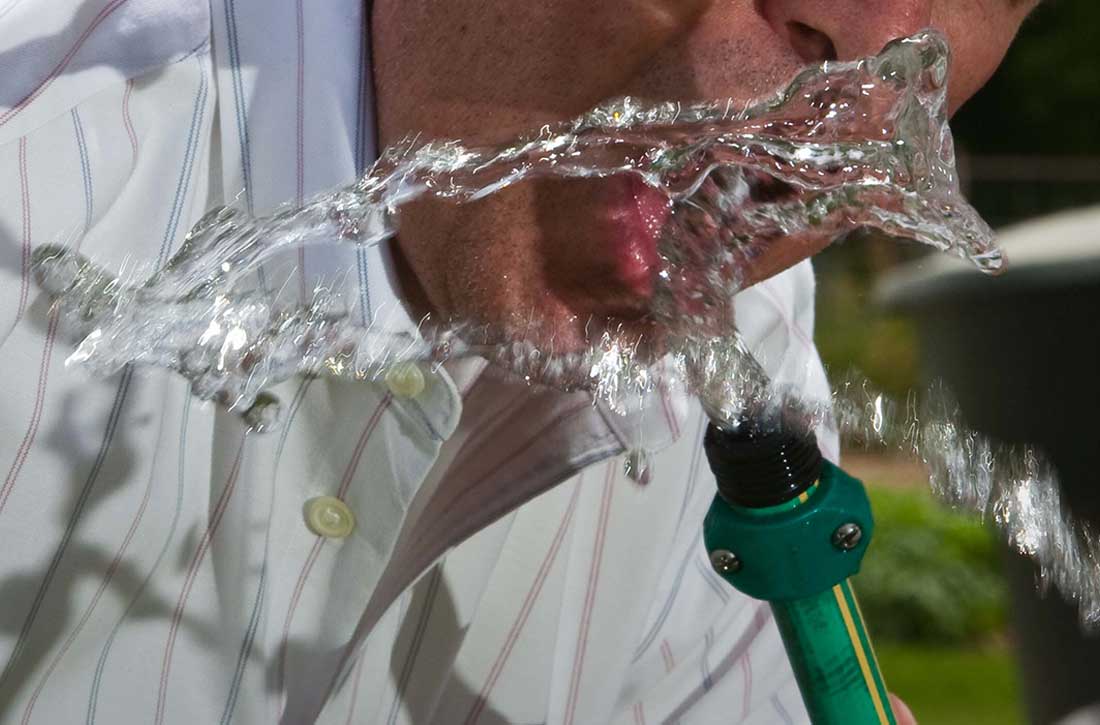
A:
(575, 255)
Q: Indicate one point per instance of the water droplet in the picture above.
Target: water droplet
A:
(636, 466)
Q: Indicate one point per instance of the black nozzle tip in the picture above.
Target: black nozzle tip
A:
(758, 467)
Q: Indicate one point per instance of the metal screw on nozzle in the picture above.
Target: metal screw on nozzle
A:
(725, 561)
(847, 536)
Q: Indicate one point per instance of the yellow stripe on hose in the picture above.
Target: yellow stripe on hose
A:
(870, 644)
(853, 635)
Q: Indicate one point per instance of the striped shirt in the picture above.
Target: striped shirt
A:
(156, 563)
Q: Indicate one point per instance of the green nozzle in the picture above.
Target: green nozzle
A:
(790, 528)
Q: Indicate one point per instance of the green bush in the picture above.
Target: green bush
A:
(950, 685)
(930, 574)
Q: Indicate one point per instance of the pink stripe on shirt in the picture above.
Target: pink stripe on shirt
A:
(192, 572)
(107, 577)
(590, 595)
(36, 414)
(666, 655)
(524, 611)
(25, 257)
(315, 551)
(746, 699)
(61, 64)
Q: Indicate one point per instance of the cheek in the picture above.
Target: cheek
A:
(978, 42)
(474, 257)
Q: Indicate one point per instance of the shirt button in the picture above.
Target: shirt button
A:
(330, 517)
(405, 380)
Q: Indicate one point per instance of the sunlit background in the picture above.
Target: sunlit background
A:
(934, 588)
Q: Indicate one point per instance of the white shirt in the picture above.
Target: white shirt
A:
(156, 565)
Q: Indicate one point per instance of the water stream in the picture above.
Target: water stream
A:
(843, 146)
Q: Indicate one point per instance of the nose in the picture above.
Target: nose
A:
(820, 30)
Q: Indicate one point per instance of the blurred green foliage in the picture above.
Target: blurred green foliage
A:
(1043, 100)
(853, 333)
(930, 574)
(1045, 96)
(953, 686)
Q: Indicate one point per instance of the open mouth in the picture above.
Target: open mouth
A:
(637, 213)
(765, 189)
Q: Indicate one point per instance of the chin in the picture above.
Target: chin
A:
(560, 352)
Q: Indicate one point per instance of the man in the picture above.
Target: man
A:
(441, 546)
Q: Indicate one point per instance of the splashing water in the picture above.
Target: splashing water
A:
(844, 145)
(1015, 489)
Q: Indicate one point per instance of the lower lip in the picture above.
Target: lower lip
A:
(638, 213)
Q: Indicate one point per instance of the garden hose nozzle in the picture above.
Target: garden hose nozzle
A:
(790, 528)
